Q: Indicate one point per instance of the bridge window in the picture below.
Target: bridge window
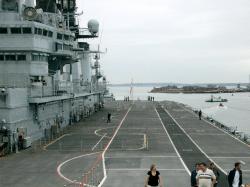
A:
(35, 57)
(15, 30)
(45, 32)
(66, 37)
(10, 5)
(59, 36)
(50, 34)
(59, 46)
(1, 57)
(43, 58)
(10, 57)
(27, 30)
(38, 31)
(21, 57)
(3, 31)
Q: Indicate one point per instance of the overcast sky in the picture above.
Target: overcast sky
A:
(185, 41)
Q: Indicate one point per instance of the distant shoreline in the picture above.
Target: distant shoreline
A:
(176, 84)
(196, 90)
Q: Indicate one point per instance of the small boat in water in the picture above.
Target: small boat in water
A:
(221, 105)
(216, 99)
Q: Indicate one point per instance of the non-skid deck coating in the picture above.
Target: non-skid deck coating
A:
(39, 168)
(141, 141)
(222, 148)
(129, 168)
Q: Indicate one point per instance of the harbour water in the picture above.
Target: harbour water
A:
(235, 113)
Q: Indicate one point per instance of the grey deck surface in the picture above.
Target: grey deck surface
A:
(127, 159)
(129, 168)
(38, 168)
(219, 146)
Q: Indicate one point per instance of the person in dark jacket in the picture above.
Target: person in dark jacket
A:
(200, 114)
(109, 118)
(235, 176)
(193, 175)
(216, 172)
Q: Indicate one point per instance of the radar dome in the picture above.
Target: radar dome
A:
(93, 26)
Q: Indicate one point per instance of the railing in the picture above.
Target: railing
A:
(243, 136)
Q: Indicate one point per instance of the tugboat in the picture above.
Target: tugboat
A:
(216, 99)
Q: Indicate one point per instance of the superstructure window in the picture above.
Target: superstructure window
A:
(1, 57)
(67, 47)
(66, 37)
(35, 57)
(3, 31)
(38, 31)
(43, 58)
(10, 5)
(15, 30)
(45, 32)
(59, 46)
(50, 34)
(59, 36)
(21, 57)
(27, 30)
(10, 57)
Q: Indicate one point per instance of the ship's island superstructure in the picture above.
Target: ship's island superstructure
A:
(48, 79)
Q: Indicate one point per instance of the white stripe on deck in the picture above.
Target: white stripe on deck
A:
(157, 156)
(108, 145)
(178, 154)
(201, 150)
(99, 142)
(143, 169)
(223, 157)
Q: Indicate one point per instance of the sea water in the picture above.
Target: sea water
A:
(235, 113)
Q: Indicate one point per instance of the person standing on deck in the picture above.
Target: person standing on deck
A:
(193, 175)
(109, 118)
(200, 114)
(153, 179)
(216, 172)
(205, 177)
(235, 176)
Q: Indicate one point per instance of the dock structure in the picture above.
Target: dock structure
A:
(96, 153)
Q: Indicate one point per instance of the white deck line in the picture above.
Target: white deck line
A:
(54, 141)
(69, 160)
(143, 169)
(223, 157)
(178, 154)
(108, 145)
(195, 142)
(98, 142)
(156, 156)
